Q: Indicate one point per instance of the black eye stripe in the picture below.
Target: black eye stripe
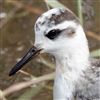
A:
(53, 33)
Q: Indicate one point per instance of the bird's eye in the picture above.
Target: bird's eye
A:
(53, 33)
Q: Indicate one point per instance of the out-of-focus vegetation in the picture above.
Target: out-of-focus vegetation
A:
(17, 18)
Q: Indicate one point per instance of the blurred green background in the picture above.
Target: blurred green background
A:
(17, 19)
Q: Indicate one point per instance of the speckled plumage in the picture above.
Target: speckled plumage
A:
(88, 87)
(56, 17)
(77, 77)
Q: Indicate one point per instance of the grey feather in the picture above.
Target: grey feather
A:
(88, 88)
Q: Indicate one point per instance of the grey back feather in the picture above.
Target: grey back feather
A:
(88, 87)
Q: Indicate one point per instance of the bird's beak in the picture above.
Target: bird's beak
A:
(28, 56)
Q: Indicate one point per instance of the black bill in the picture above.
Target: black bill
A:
(29, 55)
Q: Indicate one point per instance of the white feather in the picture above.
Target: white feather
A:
(71, 54)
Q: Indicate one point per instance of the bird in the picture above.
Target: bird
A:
(59, 33)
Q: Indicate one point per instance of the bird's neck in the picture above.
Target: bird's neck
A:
(72, 62)
(70, 65)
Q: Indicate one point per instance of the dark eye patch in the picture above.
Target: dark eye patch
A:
(53, 34)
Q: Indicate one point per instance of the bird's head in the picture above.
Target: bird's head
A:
(57, 31)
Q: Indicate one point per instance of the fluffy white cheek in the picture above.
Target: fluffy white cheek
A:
(49, 49)
(52, 48)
